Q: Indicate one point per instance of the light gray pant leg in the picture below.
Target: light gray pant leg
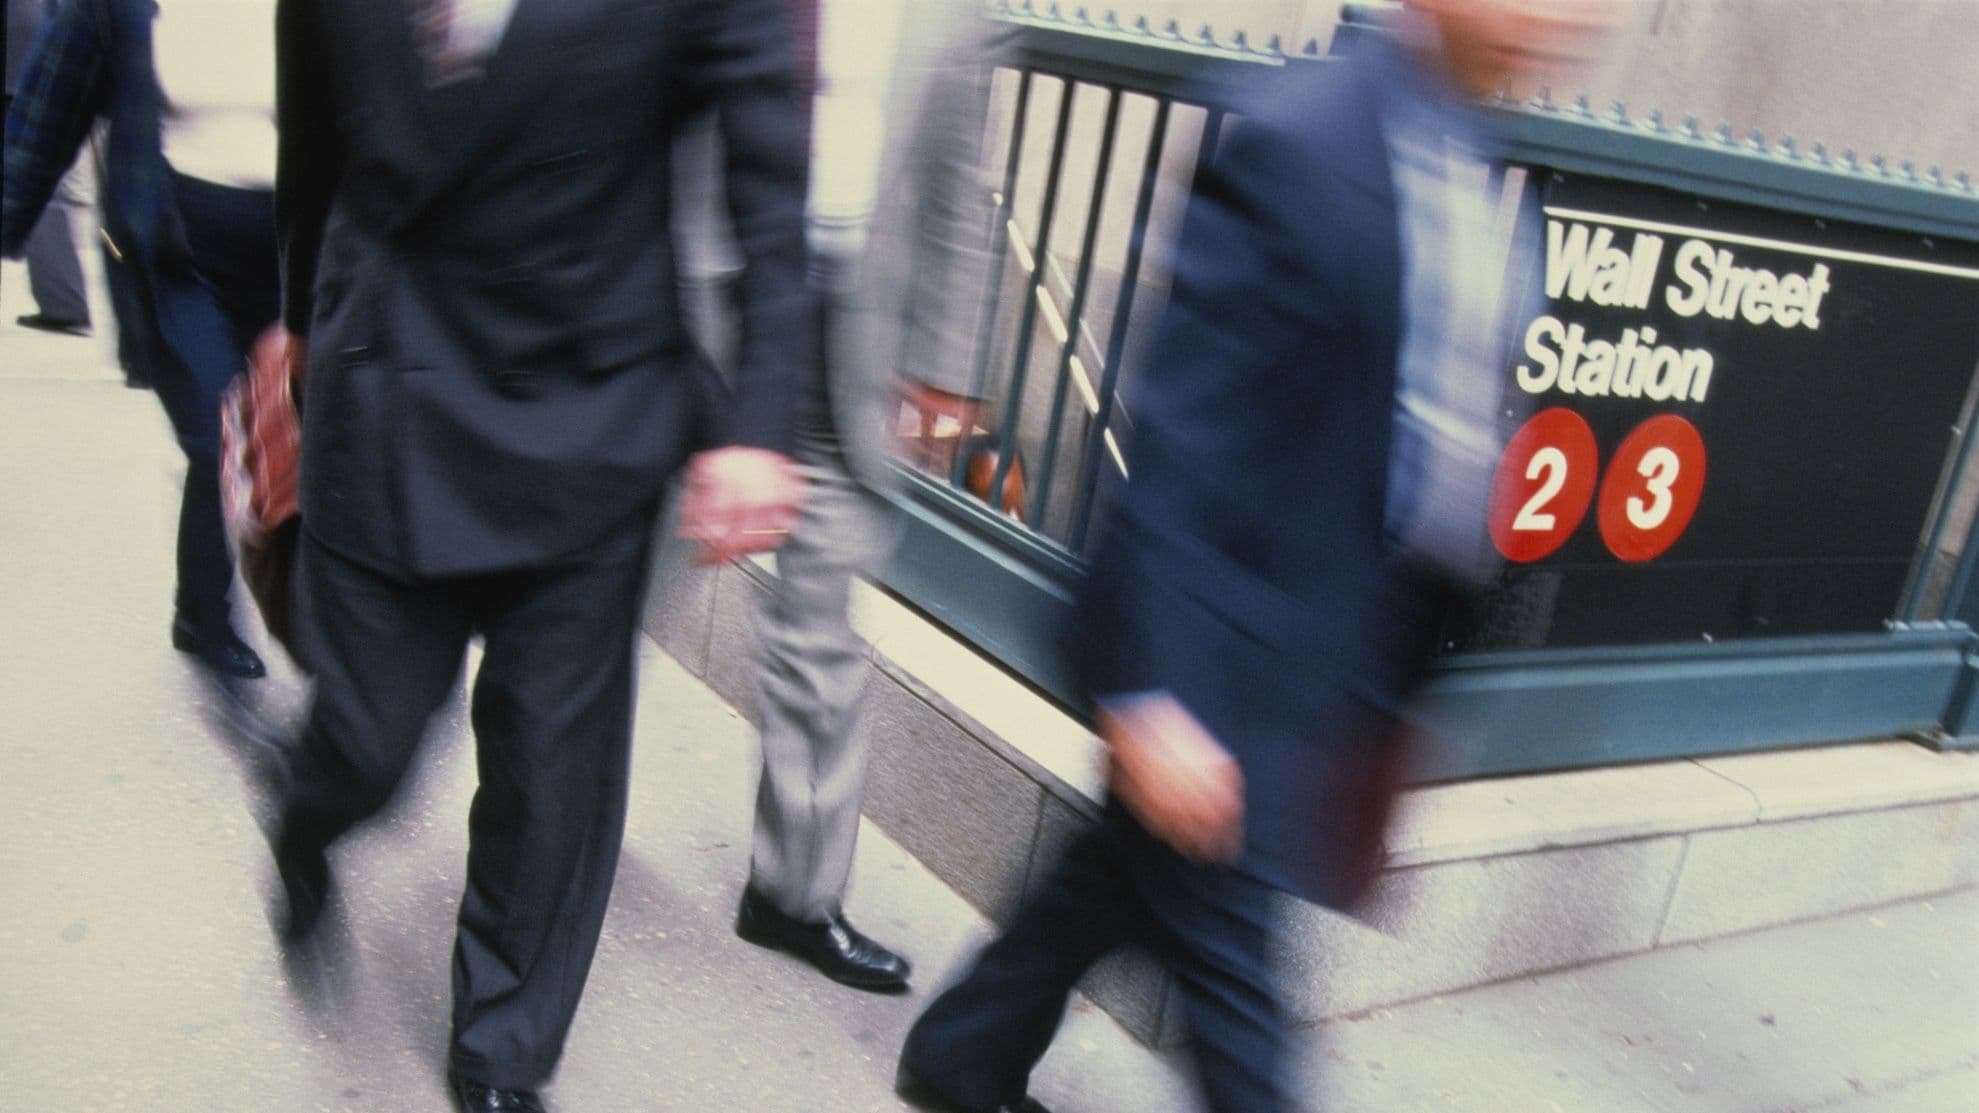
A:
(54, 270)
(813, 672)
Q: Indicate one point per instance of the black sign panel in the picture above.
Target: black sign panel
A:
(1737, 421)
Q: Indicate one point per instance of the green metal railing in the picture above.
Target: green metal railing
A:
(1077, 284)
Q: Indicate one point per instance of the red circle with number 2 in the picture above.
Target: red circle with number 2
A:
(1653, 487)
(1544, 483)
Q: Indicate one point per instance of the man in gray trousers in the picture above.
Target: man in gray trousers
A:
(900, 327)
(54, 270)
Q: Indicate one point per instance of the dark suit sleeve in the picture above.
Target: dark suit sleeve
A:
(62, 90)
(309, 157)
(1176, 559)
(739, 65)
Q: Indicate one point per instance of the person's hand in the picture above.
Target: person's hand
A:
(739, 501)
(933, 446)
(1173, 776)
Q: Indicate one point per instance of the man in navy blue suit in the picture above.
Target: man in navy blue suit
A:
(1311, 457)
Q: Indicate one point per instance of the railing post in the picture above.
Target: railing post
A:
(1076, 313)
(1014, 397)
(1116, 345)
(992, 296)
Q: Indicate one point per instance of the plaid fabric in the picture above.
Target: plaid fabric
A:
(260, 473)
(61, 93)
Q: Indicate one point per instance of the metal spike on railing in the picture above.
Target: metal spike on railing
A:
(1241, 42)
(1079, 14)
(1206, 36)
(1142, 26)
(1849, 161)
(1654, 121)
(1582, 107)
(1820, 154)
(1881, 165)
(1909, 169)
(1275, 45)
(1788, 150)
(1112, 21)
(1724, 133)
(1312, 49)
(1691, 130)
(1936, 177)
(1964, 180)
(1618, 113)
(1174, 29)
(1756, 141)
(1543, 99)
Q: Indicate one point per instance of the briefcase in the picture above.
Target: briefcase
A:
(260, 449)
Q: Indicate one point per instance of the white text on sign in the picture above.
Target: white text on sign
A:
(1585, 264)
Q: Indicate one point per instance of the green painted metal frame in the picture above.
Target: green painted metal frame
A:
(1008, 591)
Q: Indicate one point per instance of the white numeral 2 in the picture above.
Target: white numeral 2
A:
(1553, 462)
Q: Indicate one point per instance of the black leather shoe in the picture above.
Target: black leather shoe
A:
(305, 874)
(224, 653)
(476, 1098)
(917, 1094)
(834, 947)
(61, 325)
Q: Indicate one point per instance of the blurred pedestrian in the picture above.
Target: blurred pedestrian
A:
(189, 169)
(54, 269)
(1312, 449)
(899, 230)
(473, 205)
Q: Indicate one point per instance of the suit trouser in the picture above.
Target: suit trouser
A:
(54, 269)
(1116, 885)
(813, 673)
(206, 318)
(552, 714)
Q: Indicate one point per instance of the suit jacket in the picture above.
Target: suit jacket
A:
(498, 373)
(1244, 570)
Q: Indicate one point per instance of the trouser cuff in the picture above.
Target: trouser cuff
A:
(510, 1074)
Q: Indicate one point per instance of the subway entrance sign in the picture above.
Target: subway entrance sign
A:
(1734, 420)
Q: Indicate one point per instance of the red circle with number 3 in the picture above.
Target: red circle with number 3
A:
(1544, 483)
(1653, 487)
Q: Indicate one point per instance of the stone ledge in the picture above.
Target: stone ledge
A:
(984, 780)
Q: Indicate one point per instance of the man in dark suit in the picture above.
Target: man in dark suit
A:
(1311, 454)
(473, 203)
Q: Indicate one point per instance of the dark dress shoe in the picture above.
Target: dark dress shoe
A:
(223, 652)
(476, 1098)
(834, 947)
(61, 325)
(918, 1094)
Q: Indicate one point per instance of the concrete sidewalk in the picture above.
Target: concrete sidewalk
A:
(137, 971)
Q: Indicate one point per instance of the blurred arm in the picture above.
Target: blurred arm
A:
(309, 158)
(742, 70)
(744, 497)
(62, 91)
